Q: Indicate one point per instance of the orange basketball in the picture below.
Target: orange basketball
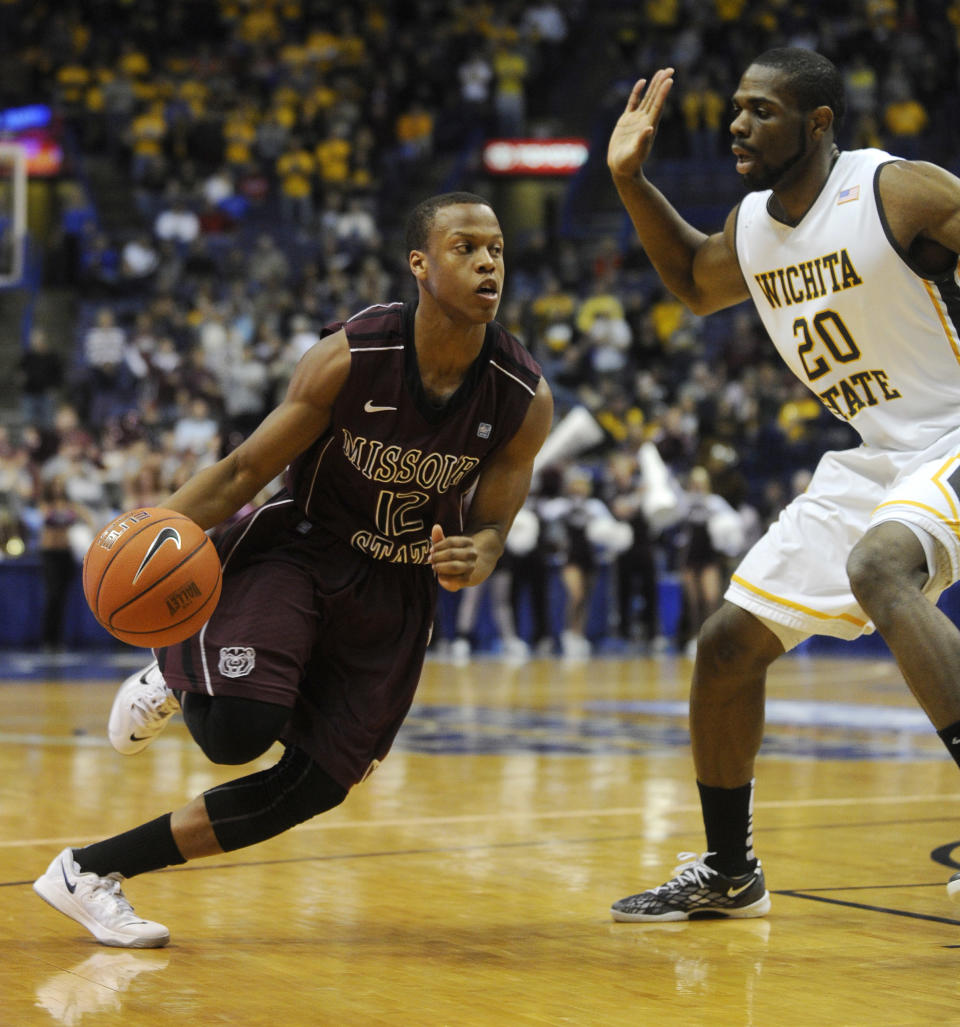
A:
(152, 577)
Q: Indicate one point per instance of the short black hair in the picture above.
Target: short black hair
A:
(813, 80)
(420, 221)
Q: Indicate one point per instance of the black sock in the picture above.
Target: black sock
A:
(147, 847)
(950, 736)
(728, 819)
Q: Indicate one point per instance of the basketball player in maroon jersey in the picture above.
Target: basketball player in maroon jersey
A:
(329, 589)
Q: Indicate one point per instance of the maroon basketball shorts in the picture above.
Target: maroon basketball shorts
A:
(308, 622)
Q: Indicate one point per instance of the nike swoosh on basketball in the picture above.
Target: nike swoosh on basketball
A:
(371, 408)
(163, 535)
(66, 880)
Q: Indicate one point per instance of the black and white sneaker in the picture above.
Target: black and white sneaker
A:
(697, 891)
(141, 710)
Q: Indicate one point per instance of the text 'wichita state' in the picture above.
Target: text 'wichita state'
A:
(808, 280)
(824, 340)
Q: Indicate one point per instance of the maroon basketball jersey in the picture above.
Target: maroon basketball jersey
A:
(392, 464)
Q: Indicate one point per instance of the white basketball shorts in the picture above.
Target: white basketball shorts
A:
(794, 578)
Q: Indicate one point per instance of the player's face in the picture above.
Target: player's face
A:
(462, 268)
(770, 138)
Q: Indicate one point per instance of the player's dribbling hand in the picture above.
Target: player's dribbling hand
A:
(632, 138)
(453, 559)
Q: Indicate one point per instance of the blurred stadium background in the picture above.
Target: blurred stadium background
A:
(191, 189)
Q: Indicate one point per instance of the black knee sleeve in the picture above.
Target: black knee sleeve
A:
(232, 730)
(252, 809)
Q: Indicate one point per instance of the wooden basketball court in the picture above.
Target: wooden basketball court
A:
(468, 881)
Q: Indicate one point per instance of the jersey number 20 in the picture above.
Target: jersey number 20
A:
(832, 332)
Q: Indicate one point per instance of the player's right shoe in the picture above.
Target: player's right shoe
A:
(141, 710)
(697, 892)
(98, 903)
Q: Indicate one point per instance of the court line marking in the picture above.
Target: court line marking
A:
(868, 907)
(621, 811)
(527, 843)
(537, 815)
(539, 843)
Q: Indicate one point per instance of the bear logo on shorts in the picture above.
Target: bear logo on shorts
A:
(236, 661)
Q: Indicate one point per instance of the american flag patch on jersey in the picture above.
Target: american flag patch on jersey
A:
(849, 195)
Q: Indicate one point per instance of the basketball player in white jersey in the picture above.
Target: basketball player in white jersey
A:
(851, 261)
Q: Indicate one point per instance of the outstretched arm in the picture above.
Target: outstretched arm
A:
(462, 560)
(219, 491)
(700, 270)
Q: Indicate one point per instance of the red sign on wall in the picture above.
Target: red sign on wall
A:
(534, 156)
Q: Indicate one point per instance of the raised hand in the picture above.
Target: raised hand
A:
(632, 138)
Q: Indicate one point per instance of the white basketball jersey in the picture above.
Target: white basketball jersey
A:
(877, 341)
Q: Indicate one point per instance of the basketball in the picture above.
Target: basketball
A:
(152, 577)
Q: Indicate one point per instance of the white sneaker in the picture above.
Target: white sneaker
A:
(98, 904)
(516, 650)
(141, 710)
(460, 650)
(575, 646)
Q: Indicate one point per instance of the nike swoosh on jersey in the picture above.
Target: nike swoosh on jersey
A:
(371, 408)
(167, 534)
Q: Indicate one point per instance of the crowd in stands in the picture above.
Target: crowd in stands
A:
(268, 146)
(899, 59)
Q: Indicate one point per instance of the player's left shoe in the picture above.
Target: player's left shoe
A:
(953, 887)
(141, 710)
(98, 903)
